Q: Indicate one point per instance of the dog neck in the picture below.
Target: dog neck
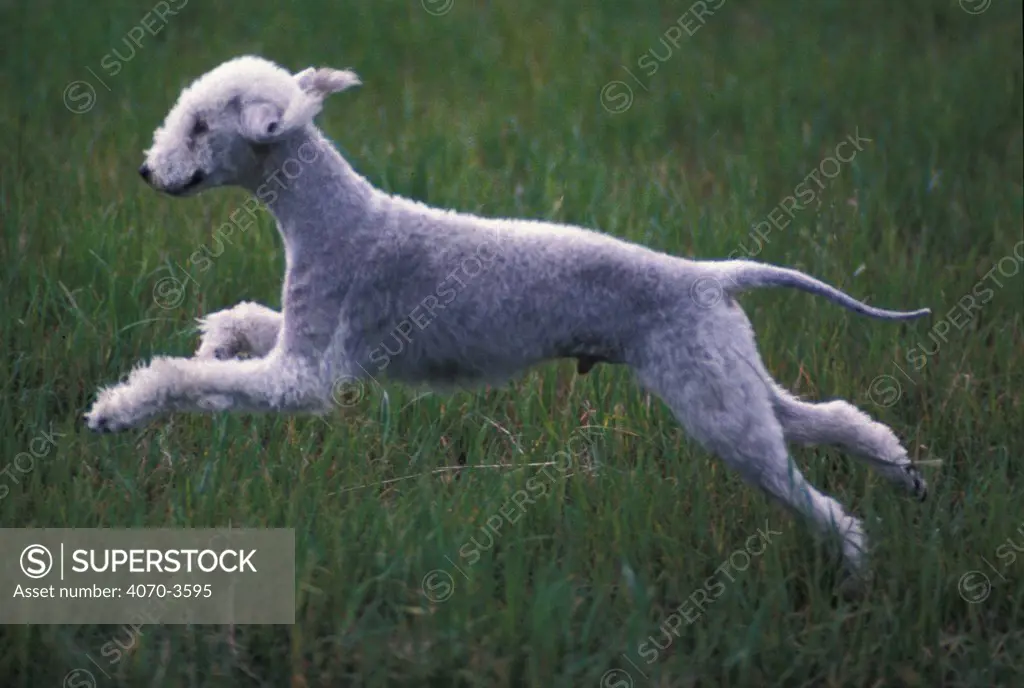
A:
(303, 180)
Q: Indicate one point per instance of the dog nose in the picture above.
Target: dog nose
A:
(144, 172)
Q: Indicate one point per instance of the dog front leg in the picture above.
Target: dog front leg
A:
(278, 382)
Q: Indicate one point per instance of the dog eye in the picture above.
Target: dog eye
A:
(200, 127)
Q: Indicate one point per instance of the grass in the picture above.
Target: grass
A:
(497, 108)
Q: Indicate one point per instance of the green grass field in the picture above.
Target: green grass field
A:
(600, 114)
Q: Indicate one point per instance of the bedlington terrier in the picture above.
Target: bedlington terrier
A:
(378, 284)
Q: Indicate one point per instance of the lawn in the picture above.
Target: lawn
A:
(640, 560)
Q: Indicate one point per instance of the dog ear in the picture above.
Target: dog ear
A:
(322, 82)
(261, 122)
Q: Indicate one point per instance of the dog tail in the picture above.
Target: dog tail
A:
(739, 275)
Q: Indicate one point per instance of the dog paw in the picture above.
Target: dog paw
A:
(211, 351)
(132, 402)
(246, 329)
(218, 345)
(916, 483)
(855, 545)
(219, 337)
(110, 414)
(854, 585)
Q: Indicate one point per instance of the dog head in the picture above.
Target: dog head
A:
(212, 135)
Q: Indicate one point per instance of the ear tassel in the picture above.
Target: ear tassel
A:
(324, 81)
(334, 80)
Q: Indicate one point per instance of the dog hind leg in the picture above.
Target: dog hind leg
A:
(841, 423)
(725, 406)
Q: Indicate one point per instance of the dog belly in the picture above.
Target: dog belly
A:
(449, 372)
